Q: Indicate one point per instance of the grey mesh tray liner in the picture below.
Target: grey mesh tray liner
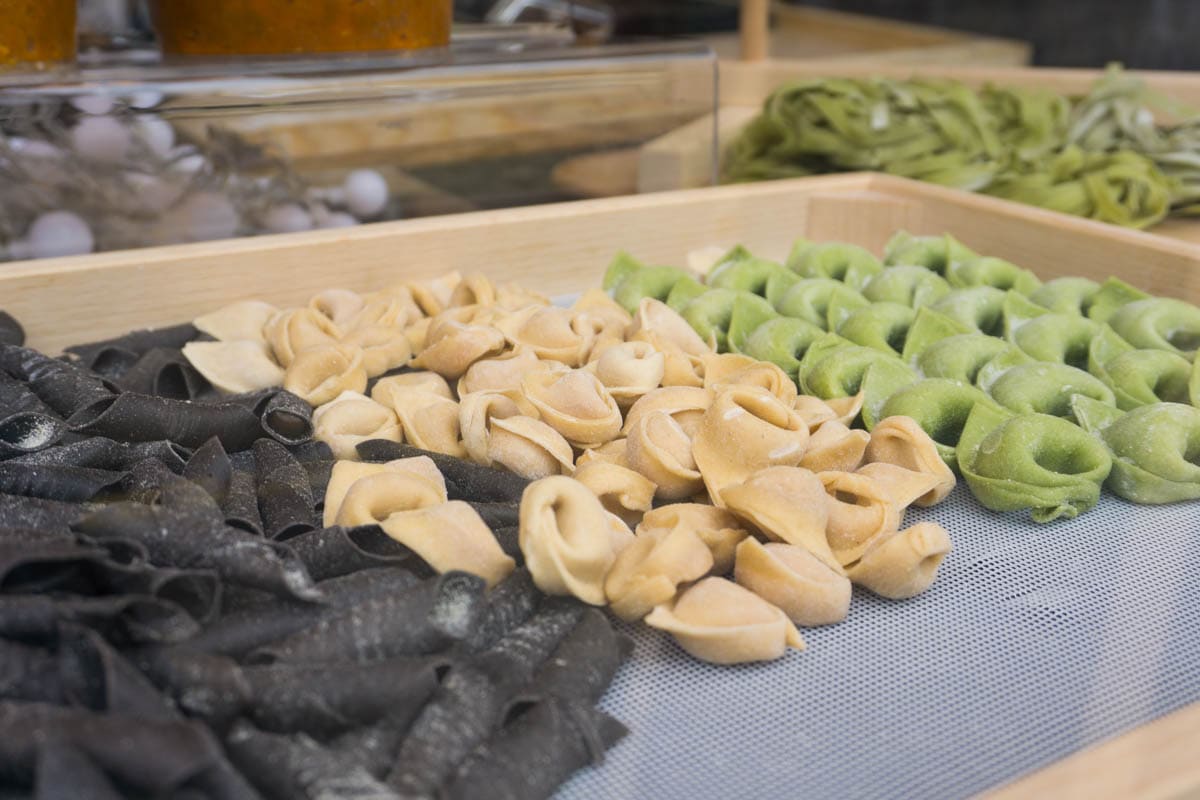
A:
(1035, 642)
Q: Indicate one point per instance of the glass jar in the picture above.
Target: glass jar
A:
(36, 32)
(285, 27)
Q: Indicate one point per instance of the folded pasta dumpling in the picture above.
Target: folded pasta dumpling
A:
(907, 284)
(663, 328)
(451, 347)
(782, 342)
(649, 571)
(597, 304)
(528, 447)
(244, 320)
(568, 539)
(901, 441)
(552, 333)
(788, 504)
(320, 373)
(295, 330)
(373, 498)
(902, 564)
(1155, 449)
(1032, 461)
(720, 530)
(860, 510)
(235, 366)
(835, 447)
(474, 289)
(1159, 323)
(732, 369)
(660, 449)
(391, 390)
(684, 404)
(451, 536)
(622, 491)
(345, 473)
(903, 486)
(351, 418)
(500, 374)
(629, 370)
(610, 453)
(576, 404)
(339, 306)
(806, 588)
(383, 348)
(718, 621)
(429, 419)
(746, 429)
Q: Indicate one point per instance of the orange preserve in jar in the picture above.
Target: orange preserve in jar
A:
(282, 27)
(36, 31)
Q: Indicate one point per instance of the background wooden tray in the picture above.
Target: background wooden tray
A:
(683, 158)
(565, 247)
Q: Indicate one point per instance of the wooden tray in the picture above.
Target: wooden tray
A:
(805, 32)
(683, 158)
(565, 247)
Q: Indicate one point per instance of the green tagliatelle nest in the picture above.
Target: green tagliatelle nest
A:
(1104, 158)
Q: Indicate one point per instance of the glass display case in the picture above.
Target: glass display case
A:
(129, 150)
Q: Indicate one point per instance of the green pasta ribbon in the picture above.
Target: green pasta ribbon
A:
(1043, 463)
(1159, 323)
(1104, 159)
(782, 341)
(908, 285)
(941, 407)
(821, 301)
(1155, 449)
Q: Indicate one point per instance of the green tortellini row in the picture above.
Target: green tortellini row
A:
(994, 364)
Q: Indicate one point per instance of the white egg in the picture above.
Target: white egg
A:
(338, 219)
(157, 133)
(203, 216)
(97, 104)
(101, 139)
(60, 233)
(18, 250)
(366, 192)
(155, 193)
(145, 99)
(33, 148)
(287, 218)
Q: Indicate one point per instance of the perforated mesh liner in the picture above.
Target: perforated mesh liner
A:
(1034, 642)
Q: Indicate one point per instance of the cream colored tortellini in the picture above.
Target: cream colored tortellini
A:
(569, 541)
(720, 530)
(629, 370)
(495, 433)
(732, 369)
(902, 564)
(860, 510)
(346, 473)
(649, 571)
(351, 418)
(746, 429)
(788, 504)
(293, 331)
(685, 404)
(451, 346)
(621, 491)
(451, 536)
(575, 404)
(241, 321)
(661, 450)
(236, 366)
(901, 441)
(320, 373)
(429, 419)
(555, 334)
(834, 447)
(803, 586)
(716, 620)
